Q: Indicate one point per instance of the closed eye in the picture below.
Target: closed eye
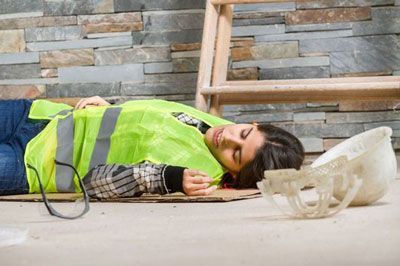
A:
(238, 152)
(244, 133)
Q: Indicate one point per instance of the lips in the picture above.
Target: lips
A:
(217, 137)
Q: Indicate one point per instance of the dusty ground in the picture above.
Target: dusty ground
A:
(248, 232)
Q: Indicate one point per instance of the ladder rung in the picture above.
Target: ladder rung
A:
(273, 93)
(224, 2)
(314, 81)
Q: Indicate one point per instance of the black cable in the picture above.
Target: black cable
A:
(50, 208)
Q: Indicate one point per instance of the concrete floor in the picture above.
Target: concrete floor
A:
(248, 232)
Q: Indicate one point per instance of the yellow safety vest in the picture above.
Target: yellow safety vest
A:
(130, 133)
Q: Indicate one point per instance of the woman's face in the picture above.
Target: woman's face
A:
(234, 145)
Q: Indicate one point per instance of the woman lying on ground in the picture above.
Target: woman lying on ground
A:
(148, 146)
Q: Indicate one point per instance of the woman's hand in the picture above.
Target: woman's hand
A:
(196, 183)
(95, 100)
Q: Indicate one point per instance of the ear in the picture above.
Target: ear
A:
(254, 123)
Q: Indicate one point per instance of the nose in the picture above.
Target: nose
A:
(230, 140)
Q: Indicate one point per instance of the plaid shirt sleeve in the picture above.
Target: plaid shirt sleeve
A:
(116, 180)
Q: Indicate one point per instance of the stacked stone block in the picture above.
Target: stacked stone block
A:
(124, 49)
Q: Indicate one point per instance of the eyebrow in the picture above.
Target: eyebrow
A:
(240, 151)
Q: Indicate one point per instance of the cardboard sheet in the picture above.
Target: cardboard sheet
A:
(220, 195)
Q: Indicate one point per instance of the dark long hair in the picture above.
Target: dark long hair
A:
(280, 150)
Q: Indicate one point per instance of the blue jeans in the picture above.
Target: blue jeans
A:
(16, 130)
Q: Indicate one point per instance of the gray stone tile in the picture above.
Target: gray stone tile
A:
(53, 33)
(341, 3)
(271, 7)
(157, 89)
(20, 6)
(164, 67)
(320, 130)
(383, 13)
(189, 64)
(323, 107)
(110, 18)
(20, 15)
(21, 91)
(264, 107)
(396, 142)
(12, 41)
(304, 35)
(381, 26)
(312, 144)
(28, 81)
(101, 74)
(261, 117)
(167, 37)
(266, 51)
(319, 27)
(173, 20)
(284, 62)
(364, 61)
(258, 30)
(78, 44)
(108, 34)
(77, 7)
(395, 125)
(380, 42)
(19, 58)
(361, 117)
(137, 5)
(195, 53)
(310, 116)
(190, 78)
(258, 21)
(295, 73)
(82, 90)
(22, 71)
(21, 23)
(132, 55)
(113, 48)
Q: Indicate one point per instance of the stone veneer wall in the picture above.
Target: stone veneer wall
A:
(127, 49)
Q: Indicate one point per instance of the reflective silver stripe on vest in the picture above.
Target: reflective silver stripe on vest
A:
(65, 149)
(102, 146)
(63, 112)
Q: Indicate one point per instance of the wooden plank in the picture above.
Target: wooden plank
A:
(220, 195)
(224, 2)
(306, 93)
(206, 55)
(221, 55)
(306, 88)
(313, 81)
(247, 98)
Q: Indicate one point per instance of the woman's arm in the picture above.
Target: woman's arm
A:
(114, 181)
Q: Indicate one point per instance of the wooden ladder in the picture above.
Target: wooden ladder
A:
(213, 89)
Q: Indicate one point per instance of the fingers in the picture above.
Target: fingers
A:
(198, 177)
(196, 183)
(77, 106)
(193, 187)
(83, 103)
(201, 179)
(194, 172)
(95, 100)
(203, 192)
